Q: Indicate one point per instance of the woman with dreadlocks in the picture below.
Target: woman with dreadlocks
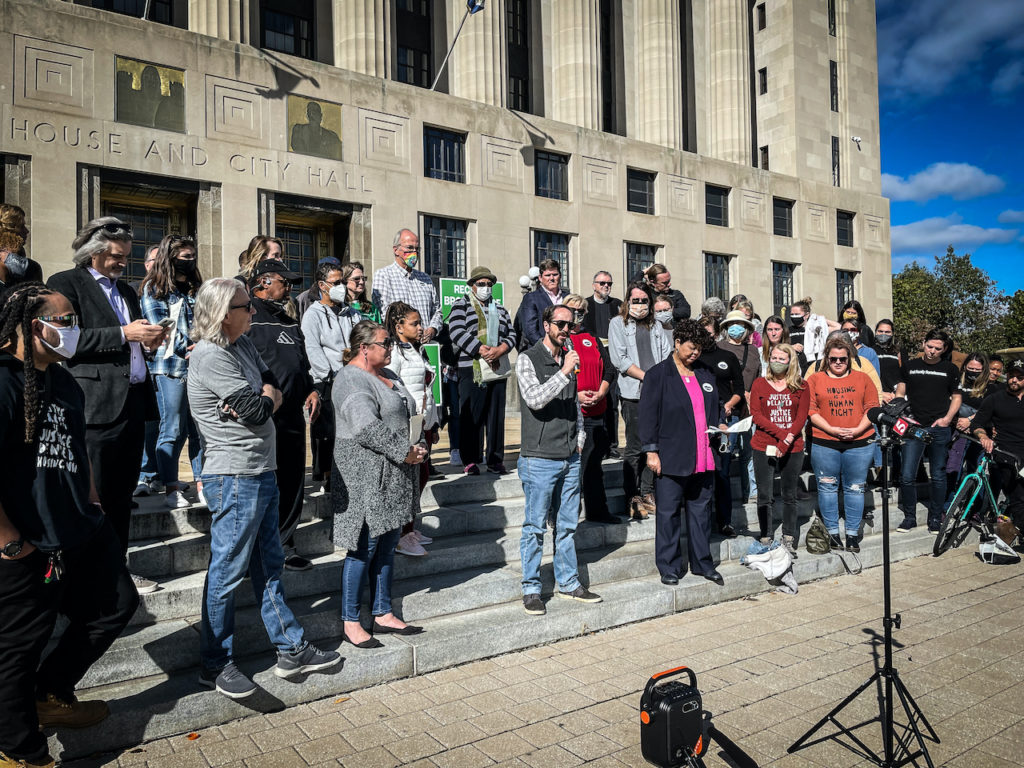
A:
(58, 551)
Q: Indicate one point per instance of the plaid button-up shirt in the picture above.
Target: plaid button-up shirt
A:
(415, 288)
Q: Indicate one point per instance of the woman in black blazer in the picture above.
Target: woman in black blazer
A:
(678, 403)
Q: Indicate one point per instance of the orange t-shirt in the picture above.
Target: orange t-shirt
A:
(842, 402)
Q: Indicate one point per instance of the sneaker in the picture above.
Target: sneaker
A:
(766, 540)
(201, 499)
(497, 469)
(58, 713)
(614, 453)
(533, 605)
(581, 593)
(421, 538)
(230, 681)
(456, 459)
(157, 486)
(408, 545)
(853, 543)
(309, 659)
(728, 531)
(908, 524)
(835, 542)
(472, 469)
(10, 762)
(790, 544)
(297, 563)
(142, 489)
(934, 526)
(143, 585)
(176, 500)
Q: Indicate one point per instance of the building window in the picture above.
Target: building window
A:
(287, 27)
(639, 256)
(414, 42)
(844, 288)
(444, 155)
(844, 228)
(445, 247)
(640, 191)
(764, 158)
(551, 175)
(608, 61)
(552, 245)
(835, 161)
(832, 17)
(782, 285)
(716, 276)
(833, 85)
(762, 80)
(782, 213)
(517, 15)
(762, 17)
(160, 11)
(311, 229)
(716, 205)
(299, 249)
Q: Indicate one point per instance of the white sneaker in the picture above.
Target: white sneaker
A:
(407, 545)
(176, 500)
(142, 489)
(421, 538)
(143, 585)
(456, 459)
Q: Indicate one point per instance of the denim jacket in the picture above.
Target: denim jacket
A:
(622, 350)
(156, 310)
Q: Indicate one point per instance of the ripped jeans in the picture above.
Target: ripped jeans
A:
(850, 467)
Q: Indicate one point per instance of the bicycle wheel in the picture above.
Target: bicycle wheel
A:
(954, 525)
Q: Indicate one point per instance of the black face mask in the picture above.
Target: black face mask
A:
(971, 376)
(797, 321)
(185, 268)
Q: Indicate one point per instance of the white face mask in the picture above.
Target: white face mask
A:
(483, 292)
(68, 339)
(638, 311)
(338, 294)
(663, 316)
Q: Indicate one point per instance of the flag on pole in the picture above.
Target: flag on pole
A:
(475, 6)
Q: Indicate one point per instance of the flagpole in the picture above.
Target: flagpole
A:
(471, 7)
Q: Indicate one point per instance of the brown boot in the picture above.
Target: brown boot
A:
(10, 762)
(57, 713)
(649, 503)
(637, 509)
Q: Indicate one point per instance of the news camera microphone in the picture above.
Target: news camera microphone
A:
(891, 416)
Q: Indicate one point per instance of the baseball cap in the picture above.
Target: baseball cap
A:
(268, 266)
(1015, 368)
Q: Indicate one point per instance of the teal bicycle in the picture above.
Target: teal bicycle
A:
(974, 507)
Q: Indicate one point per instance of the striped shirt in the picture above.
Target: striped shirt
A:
(415, 288)
(463, 325)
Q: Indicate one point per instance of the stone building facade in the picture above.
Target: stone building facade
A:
(715, 136)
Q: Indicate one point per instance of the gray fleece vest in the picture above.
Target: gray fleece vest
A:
(550, 432)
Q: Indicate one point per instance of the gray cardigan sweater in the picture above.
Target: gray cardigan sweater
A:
(371, 484)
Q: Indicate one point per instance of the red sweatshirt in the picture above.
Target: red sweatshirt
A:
(776, 415)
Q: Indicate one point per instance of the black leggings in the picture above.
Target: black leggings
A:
(788, 466)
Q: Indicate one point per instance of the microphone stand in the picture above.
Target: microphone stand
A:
(903, 752)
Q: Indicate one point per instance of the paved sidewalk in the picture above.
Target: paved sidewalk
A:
(768, 667)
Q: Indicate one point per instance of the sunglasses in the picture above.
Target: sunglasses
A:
(386, 345)
(357, 279)
(66, 321)
(114, 230)
(639, 301)
(834, 360)
(603, 283)
(561, 324)
(247, 306)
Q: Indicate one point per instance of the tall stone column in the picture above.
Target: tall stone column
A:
(362, 29)
(478, 68)
(659, 73)
(729, 132)
(226, 19)
(576, 62)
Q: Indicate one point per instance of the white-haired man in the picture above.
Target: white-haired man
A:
(401, 281)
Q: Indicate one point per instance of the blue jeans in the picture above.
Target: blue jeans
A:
(244, 540)
(372, 557)
(741, 444)
(850, 466)
(547, 482)
(912, 453)
(147, 473)
(175, 425)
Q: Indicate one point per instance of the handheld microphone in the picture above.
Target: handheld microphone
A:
(891, 416)
(569, 348)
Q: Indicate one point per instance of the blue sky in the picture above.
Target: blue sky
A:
(951, 92)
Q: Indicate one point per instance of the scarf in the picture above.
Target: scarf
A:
(487, 326)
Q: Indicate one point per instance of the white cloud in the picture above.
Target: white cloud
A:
(1009, 78)
(1011, 217)
(923, 46)
(933, 235)
(961, 181)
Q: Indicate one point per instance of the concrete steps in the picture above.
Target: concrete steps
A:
(466, 593)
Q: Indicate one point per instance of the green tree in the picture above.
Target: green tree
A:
(918, 304)
(1013, 325)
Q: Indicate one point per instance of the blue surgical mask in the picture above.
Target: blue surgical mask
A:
(736, 331)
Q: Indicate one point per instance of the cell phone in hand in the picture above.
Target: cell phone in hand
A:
(167, 323)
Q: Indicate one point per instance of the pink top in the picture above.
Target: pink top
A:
(705, 458)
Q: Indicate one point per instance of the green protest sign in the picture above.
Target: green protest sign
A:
(452, 289)
(433, 352)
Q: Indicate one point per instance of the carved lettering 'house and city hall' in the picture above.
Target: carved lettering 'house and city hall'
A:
(715, 136)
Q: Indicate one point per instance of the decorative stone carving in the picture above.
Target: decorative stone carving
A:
(52, 75)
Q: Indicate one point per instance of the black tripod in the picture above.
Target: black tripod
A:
(904, 752)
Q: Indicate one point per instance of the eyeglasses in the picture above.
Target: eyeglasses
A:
(483, 284)
(66, 321)
(328, 282)
(357, 279)
(835, 360)
(561, 324)
(603, 283)
(267, 279)
(639, 301)
(386, 345)
(247, 306)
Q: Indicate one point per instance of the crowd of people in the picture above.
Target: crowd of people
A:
(102, 385)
